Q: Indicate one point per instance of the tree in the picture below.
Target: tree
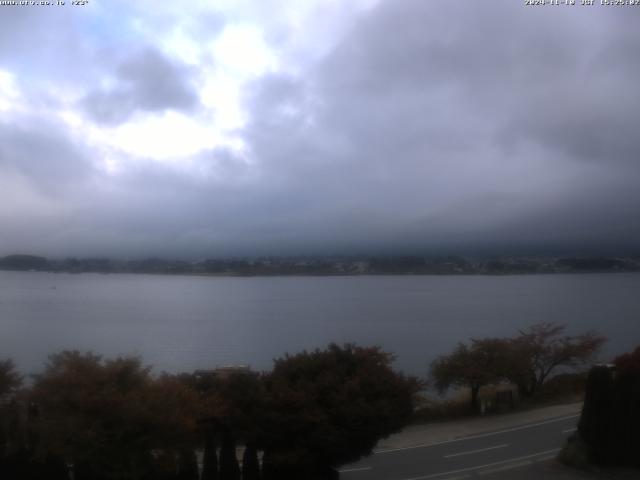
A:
(89, 411)
(481, 363)
(237, 402)
(107, 416)
(629, 362)
(541, 349)
(10, 380)
(169, 409)
(233, 406)
(330, 407)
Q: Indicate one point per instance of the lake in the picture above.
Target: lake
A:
(180, 323)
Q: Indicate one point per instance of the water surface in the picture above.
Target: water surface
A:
(179, 323)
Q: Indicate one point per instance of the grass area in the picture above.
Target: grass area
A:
(561, 389)
(574, 453)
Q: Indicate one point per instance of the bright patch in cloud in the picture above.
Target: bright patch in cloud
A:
(221, 93)
(179, 45)
(163, 137)
(242, 50)
(9, 93)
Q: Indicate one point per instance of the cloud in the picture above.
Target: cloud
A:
(146, 81)
(40, 151)
(440, 125)
(384, 126)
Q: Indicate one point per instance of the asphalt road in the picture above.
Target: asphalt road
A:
(477, 456)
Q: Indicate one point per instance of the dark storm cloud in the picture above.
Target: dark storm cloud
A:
(41, 152)
(45, 177)
(458, 124)
(147, 81)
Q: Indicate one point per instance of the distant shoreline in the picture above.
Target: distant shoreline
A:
(324, 268)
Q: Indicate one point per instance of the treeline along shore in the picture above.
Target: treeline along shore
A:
(271, 266)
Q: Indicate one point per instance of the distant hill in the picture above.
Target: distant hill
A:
(24, 262)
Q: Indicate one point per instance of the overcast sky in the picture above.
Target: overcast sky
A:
(241, 127)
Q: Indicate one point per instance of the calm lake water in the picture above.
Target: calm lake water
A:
(180, 323)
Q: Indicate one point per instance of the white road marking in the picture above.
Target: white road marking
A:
(546, 458)
(359, 469)
(469, 452)
(482, 435)
(478, 467)
(504, 468)
(569, 430)
(461, 477)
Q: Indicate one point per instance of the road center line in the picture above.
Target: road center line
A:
(546, 458)
(481, 435)
(504, 468)
(478, 467)
(469, 452)
(569, 430)
(359, 469)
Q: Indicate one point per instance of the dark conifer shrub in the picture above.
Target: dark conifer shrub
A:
(229, 468)
(250, 465)
(595, 422)
(210, 458)
(187, 465)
